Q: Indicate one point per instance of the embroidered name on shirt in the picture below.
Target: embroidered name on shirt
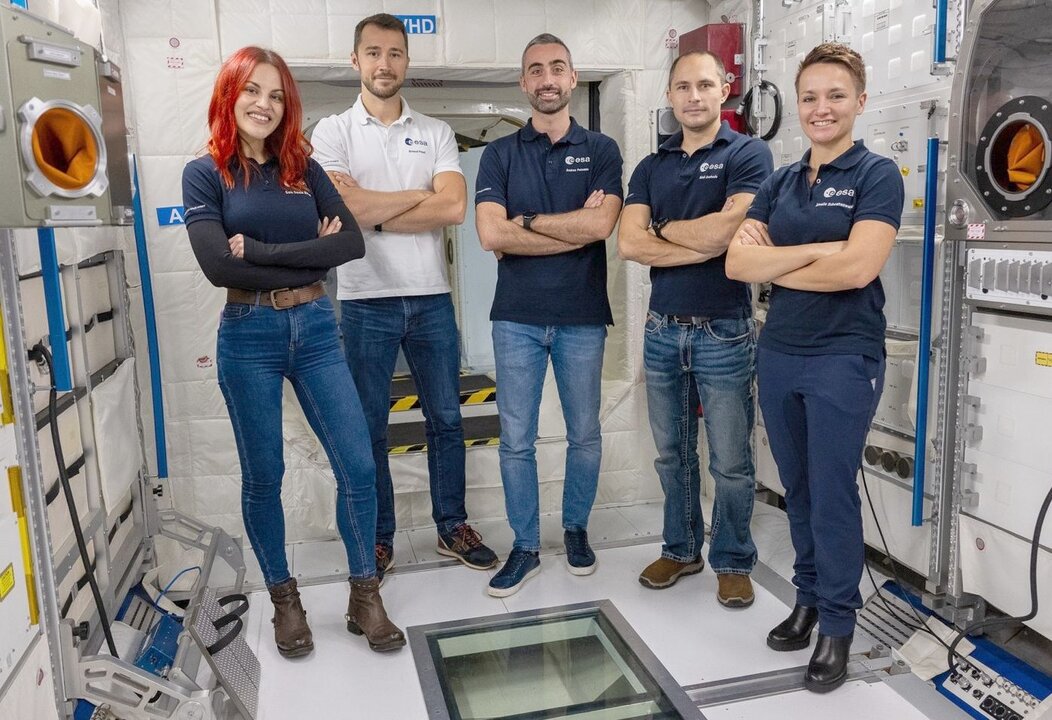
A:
(297, 192)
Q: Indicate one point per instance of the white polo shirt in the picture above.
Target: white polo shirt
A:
(403, 156)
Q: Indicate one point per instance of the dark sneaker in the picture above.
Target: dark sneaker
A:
(465, 544)
(520, 567)
(664, 572)
(384, 560)
(580, 560)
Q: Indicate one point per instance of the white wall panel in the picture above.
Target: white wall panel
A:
(32, 694)
(995, 565)
(1015, 402)
(172, 88)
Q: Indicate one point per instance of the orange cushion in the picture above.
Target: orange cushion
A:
(64, 148)
(1026, 157)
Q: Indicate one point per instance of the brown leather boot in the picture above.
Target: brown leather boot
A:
(366, 615)
(291, 632)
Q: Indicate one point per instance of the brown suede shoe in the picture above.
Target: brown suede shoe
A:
(735, 590)
(292, 635)
(664, 572)
(366, 616)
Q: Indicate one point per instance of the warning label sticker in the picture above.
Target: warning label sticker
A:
(1044, 359)
(7, 581)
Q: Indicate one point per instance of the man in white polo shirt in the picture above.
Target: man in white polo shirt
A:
(399, 173)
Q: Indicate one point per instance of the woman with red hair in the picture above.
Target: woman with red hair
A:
(266, 223)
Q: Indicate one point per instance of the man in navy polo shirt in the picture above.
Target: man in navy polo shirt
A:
(684, 203)
(547, 198)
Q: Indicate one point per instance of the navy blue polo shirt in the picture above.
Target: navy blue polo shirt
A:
(679, 186)
(525, 172)
(264, 211)
(858, 185)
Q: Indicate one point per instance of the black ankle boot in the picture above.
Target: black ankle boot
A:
(828, 667)
(793, 633)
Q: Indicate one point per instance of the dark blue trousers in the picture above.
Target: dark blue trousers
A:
(817, 410)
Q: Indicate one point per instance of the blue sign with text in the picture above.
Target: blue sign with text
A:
(170, 215)
(420, 24)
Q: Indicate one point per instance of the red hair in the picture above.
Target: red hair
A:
(286, 143)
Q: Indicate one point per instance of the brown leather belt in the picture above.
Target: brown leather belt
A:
(281, 299)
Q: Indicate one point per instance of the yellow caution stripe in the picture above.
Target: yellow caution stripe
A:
(467, 397)
(7, 406)
(14, 477)
(422, 447)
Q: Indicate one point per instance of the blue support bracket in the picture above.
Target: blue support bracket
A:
(931, 190)
(151, 327)
(56, 315)
(941, 12)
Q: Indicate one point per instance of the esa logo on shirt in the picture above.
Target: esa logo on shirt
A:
(416, 146)
(577, 164)
(708, 171)
(838, 198)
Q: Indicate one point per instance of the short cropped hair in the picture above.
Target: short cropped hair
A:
(381, 20)
(700, 53)
(545, 39)
(836, 54)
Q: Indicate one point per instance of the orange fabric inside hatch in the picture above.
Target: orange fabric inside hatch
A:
(64, 148)
(1026, 157)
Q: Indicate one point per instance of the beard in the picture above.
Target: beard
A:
(383, 94)
(548, 107)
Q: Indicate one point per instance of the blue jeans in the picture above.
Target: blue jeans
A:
(712, 362)
(425, 328)
(258, 348)
(817, 410)
(521, 354)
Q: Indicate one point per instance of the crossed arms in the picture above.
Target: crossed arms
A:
(686, 241)
(406, 211)
(549, 234)
(817, 267)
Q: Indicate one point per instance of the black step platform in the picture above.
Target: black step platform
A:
(405, 438)
(474, 390)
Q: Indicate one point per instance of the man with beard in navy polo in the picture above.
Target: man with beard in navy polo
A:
(547, 198)
(684, 203)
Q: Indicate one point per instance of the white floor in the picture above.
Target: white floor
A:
(695, 638)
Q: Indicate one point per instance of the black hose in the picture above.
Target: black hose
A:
(52, 407)
(1035, 545)
(745, 110)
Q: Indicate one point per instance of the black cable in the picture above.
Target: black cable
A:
(745, 109)
(921, 624)
(41, 350)
(1035, 545)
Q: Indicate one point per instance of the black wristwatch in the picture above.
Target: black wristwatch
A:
(527, 219)
(657, 225)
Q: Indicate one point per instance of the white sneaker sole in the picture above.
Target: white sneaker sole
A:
(443, 550)
(505, 592)
(581, 570)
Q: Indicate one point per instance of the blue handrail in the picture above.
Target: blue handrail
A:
(931, 189)
(151, 327)
(56, 318)
(941, 11)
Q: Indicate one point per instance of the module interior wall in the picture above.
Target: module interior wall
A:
(601, 33)
(171, 51)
